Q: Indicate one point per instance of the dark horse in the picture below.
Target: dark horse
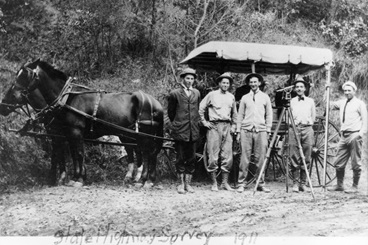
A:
(78, 113)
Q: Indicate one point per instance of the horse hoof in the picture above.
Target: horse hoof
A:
(62, 179)
(78, 184)
(148, 185)
(128, 180)
(70, 183)
(138, 185)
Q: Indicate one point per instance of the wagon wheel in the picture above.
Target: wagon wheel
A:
(166, 159)
(275, 167)
(316, 168)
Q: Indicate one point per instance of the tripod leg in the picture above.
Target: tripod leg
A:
(287, 155)
(274, 136)
(299, 145)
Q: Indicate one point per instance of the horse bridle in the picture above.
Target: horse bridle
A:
(32, 85)
(24, 92)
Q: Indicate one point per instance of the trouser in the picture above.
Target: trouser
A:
(255, 142)
(306, 136)
(219, 145)
(185, 151)
(350, 145)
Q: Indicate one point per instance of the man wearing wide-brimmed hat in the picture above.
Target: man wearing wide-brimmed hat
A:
(183, 105)
(303, 110)
(253, 127)
(220, 124)
(353, 119)
(243, 90)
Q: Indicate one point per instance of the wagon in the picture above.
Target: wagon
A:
(269, 59)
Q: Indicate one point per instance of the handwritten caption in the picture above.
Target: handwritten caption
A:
(105, 235)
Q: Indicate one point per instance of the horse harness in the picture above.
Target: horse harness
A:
(145, 122)
(60, 102)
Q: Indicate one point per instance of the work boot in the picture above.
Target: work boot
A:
(354, 188)
(188, 179)
(240, 189)
(296, 187)
(225, 184)
(340, 181)
(214, 181)
(180, 187)
(263, 188)
(303, 181)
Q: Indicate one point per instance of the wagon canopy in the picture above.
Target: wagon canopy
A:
(239, 57)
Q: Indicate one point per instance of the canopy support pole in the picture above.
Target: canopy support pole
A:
(328, 84)
(253, 67)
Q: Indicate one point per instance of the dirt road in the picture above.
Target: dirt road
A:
(117, 211)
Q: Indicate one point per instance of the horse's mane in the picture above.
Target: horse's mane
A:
(49, 69)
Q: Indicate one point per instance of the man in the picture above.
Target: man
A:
(353, 119)
(303, 110)
(183, 105)
(220, 124)
(253, 127)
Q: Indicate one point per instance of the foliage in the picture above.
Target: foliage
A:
(24, 162)
(350, 35)
(348, 28)
(120, 45)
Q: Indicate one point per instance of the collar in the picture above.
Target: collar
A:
(348, 100)
(221, 92)
(185, 88)
(301, 97)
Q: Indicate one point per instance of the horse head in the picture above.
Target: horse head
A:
(21, 92)
(48, 80)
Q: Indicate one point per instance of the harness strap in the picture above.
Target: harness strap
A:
(140, 113)
(64, 93)
(123, 129)
(97, 103)
(145, 122)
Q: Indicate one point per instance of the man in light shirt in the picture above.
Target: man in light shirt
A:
(253, 128)
(303, 110)
(220, 124)
(353, 119)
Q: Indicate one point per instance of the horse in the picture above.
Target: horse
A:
(37, 102)
(90, 114)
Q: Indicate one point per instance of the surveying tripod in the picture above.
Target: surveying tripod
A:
(285, 113)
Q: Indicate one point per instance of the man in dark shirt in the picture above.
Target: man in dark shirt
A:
(183, 106)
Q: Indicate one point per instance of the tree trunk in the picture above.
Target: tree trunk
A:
(205, 6)
(333, 10)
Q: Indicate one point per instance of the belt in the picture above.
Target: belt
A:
(303, 125)
(254, 130)
(220, 121)
(348, 133)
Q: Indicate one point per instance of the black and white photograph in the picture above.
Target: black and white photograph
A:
(174, 122)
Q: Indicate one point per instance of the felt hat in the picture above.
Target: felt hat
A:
(225, 75)
(351, 84)
(300, 79)
(259, 76)
(187, 71)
